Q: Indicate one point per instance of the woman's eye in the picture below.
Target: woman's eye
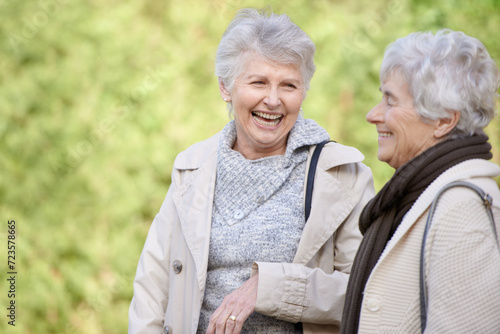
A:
(387, 101)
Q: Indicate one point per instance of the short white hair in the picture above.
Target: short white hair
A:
(273, 37)
(446, 72)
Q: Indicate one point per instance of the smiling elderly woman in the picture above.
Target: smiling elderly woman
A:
(438, 93)
(230, 249)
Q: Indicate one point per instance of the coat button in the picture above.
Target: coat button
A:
(167, 330)
(238, 214)
(177, 265)
(373, 305)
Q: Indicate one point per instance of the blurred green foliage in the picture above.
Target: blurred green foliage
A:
(98, 97)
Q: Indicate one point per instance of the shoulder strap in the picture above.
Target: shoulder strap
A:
(310, 177)
(487, 201)
(309, 191)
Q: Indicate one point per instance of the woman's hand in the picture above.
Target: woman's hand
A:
(240, 304)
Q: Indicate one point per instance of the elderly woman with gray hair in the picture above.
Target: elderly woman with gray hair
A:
(231, 249)
(430, 260)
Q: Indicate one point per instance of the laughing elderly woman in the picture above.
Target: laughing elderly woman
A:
(230, 249)
(438, 93)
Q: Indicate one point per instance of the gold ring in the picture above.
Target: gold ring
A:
(232, 317)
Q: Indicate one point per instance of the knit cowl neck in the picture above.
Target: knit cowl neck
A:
(245, 183)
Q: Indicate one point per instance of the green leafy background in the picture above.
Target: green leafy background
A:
(98, 97)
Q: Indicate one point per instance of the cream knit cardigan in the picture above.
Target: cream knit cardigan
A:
(463, 262)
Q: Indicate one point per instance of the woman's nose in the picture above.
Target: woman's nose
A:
(272, 99)
(375, 115)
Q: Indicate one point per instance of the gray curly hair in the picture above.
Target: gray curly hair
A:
(446, 72)
(273, 37)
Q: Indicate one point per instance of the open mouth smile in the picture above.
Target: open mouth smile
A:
(267, 120)
(385, 134)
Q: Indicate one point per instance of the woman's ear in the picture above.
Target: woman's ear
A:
(445, 125)
(224, 93)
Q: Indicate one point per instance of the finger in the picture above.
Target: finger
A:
(245, 303)
(223, 312)
(240, 303)
(238, 324)
(221, 323)
(211, 329)
(230, 324)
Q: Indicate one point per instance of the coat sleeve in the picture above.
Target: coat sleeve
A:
(463, 267)
(296, 292)
(148, 306)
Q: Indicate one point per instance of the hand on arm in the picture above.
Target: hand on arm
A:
(240, 304)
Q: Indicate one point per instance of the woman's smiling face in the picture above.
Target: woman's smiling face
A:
(402, 133)
(266, 100)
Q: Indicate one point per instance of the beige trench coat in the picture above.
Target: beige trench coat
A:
(170, 279)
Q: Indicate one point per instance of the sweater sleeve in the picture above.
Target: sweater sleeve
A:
(463, 270)
(296, 292)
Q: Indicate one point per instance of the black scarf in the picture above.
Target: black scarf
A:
(382, 215)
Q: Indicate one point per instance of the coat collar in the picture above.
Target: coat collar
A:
(334, 205)
(197, 154)
(335, 154)
(194, 199)
(465, 170)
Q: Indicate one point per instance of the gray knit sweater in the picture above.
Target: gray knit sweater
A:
(258, 215)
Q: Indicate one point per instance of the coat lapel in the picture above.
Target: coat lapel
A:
(332, 200)
(462, 171)
(194, 201)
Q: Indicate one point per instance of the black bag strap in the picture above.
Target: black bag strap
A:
(310, 176)
(309, 190)
(487, 201)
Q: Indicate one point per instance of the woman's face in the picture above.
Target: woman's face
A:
(266, 100)
(402, 135)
